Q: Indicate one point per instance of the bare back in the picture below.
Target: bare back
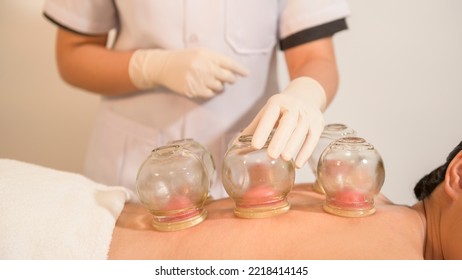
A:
(305, 232)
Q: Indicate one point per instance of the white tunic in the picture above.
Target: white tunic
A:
(128, 128)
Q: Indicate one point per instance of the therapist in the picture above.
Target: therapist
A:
(168, 70)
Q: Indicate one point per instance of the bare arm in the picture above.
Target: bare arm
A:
(316, 60)
(85, 62)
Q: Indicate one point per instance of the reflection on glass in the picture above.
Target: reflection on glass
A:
(330, 133)
(351, 172)
(172, 183)
(258, 184)
(202, 153)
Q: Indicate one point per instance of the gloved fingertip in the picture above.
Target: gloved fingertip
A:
(231, 79)
(273, 155)
(257, 141)
(245, 72)
(210, 93)
(257, 145)
(299, 163)
(234, 66)
(286, 156)
(241, 70)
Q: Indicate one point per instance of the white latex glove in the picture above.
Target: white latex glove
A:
(296, 115)
(191, 72)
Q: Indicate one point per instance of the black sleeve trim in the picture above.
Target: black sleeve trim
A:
(68, 28)
(313, 33)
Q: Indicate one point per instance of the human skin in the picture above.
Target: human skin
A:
(304, 232)
(85, 62)
(442, 211)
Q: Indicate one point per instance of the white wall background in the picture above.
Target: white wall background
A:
(401, 88)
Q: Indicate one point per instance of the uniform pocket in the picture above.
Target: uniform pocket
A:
(251, 25)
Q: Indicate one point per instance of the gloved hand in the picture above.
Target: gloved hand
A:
(296, 115)
(191, 72)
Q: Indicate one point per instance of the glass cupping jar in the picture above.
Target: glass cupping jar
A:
(257, 183)
(203, 154)
(172, 183)
(351, 172)
(330, 133)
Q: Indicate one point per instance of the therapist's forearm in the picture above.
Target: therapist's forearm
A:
(86, 63)
(324, 72)
(315, 60)
(99, 71)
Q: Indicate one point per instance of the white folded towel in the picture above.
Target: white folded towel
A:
(50, 214)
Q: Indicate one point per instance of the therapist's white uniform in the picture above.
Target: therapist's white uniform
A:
(249, 31)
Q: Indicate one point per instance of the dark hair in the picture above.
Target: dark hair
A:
(429, 182)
